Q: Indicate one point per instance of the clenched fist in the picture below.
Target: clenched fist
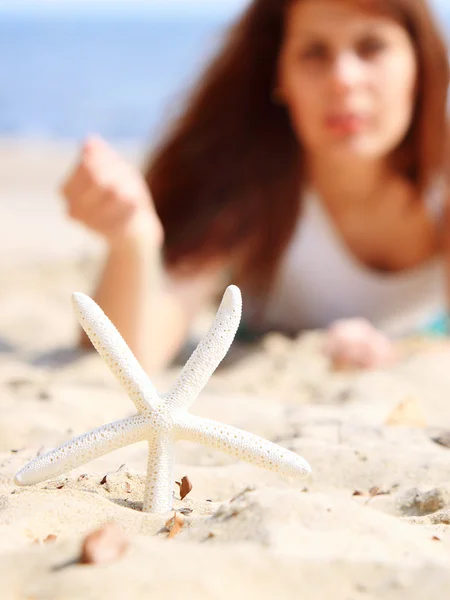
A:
(110, 196)
(355, 343)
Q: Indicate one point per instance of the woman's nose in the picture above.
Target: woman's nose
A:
(346, 71)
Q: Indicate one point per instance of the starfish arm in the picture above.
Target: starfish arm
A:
(113, 349)
(241, 444)
(209, 353)
(158, 494)
(83, 449)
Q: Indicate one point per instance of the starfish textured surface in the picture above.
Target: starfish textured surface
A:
(161, 420)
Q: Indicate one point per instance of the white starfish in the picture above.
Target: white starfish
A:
(161, 420)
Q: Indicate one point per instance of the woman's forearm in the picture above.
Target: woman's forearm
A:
(132, 294)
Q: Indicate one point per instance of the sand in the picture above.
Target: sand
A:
(372, 522)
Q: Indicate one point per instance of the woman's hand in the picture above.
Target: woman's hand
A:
(355, 343)
(110, 196)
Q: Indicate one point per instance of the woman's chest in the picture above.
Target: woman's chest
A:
(321, 278)
(388, 237)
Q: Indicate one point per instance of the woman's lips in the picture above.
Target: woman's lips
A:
(345, 123)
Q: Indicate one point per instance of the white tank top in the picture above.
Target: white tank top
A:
(319, 281)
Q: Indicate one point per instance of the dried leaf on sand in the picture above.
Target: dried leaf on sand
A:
(175, 525)
(104, 546)
(185, 487)
(407, 414)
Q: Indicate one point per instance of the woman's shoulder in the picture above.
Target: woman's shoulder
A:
(436, 198)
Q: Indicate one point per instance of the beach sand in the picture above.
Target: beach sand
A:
(373, 521)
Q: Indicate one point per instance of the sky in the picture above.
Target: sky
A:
(223, 6)
(226, 7)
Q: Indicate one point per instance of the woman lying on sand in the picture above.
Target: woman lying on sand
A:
(307, 167)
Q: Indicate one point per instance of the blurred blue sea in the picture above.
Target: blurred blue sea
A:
(63, 75)
(122, 74)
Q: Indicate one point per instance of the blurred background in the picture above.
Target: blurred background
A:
(71, 67)
(116, 68)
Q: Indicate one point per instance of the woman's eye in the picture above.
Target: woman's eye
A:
(370, 47)
(317, 52)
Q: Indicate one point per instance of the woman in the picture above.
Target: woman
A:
(308, 167)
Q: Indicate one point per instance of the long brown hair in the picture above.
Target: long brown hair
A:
(227, 178)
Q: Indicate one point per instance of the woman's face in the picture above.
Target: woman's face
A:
(348, 79)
